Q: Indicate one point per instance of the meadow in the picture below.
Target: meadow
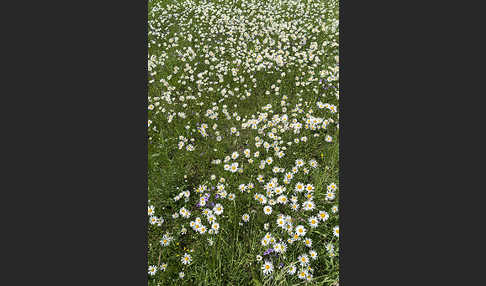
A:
(243, 142)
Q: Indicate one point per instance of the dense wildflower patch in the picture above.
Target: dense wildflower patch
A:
(243, 124)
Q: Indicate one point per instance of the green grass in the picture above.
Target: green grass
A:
(231, 260)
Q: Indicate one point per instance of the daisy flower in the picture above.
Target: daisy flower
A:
(309, 196)
(303, 274)
(163, 266)
(308, 205)
(280, 247)
(267, 210)
(308, 242)
(313, 221)
(300, 230)
(289, 176)
(265, 241)
(203, 229)
(247, 153)
(299, 162)
(260, 179)
(152, 269)
(242, 187)
(329, 247)
(202, 201)
(330, 196)
(186, 259)
(207, 212)
(309, 188)
(332, 187)
(335, 231)
(313, 254)
(218, 209)
(292, 270)
(267, 267)
(153, 220)
(323, 216)
(282, 199)
(165, 240)
(294, 206)
(245, 217)
(334, 209)
(303, 260)
(215, 227)
(184, 212)
(299, 187)
(220, 187)
(234, 167)
(279, 190)
(262, 199)
(151, 210)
